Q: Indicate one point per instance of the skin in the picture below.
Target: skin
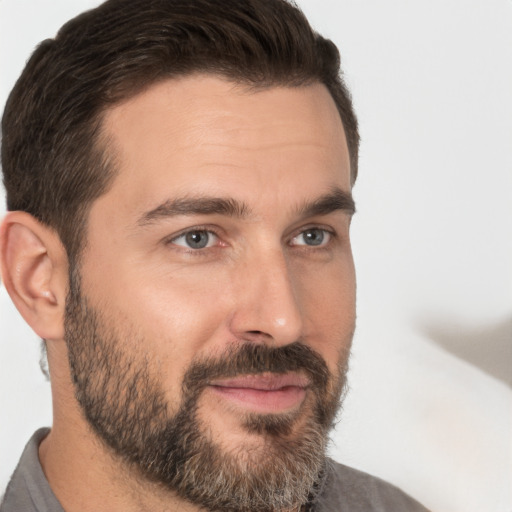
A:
(272, 151)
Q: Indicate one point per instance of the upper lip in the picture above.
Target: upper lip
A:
(264, 381)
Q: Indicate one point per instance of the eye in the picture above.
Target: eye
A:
(312, 237)
(197, 239)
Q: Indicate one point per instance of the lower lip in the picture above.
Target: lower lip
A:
(263, 401)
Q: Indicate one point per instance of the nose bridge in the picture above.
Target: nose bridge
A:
(268, 305)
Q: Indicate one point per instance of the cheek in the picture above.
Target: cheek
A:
(185, 298)
(328, 302)
(176, 315)
(328, 290)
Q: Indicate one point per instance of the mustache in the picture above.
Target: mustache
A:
(254, 359)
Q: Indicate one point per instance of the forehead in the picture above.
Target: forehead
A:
(202, 134)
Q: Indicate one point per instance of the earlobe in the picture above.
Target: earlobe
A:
(34, 272)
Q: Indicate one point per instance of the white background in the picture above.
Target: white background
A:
(430, 406)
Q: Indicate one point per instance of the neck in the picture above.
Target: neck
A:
(85, 477)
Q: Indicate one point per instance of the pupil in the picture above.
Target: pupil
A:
(197, 239)
(314, 236)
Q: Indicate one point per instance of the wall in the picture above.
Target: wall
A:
(430, 401)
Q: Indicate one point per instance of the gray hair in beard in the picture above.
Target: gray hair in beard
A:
(123, 401)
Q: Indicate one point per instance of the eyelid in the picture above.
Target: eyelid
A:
(210, 243)
(216, 233)
(331, 234)
(212, 231)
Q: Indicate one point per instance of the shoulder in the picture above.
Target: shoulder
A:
(28, 490)
(360, 492)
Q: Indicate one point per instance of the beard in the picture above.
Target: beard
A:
(123, 400)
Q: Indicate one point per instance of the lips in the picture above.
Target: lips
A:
(263, 393)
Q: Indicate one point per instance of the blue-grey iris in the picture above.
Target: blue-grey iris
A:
(197, 239)
(314, 236)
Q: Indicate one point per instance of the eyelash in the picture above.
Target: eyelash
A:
(207, 229)
(196, 229)
(323, 244)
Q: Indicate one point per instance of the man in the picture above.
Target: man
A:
(178, 178)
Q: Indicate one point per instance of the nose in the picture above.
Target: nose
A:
(267, 307)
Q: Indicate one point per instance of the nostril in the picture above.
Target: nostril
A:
(255, 336)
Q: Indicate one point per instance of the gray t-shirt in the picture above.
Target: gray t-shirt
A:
(344, 489)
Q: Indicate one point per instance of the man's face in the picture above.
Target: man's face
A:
(216, 296)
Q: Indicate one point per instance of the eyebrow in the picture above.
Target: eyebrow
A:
(200, 205)
(336, 200)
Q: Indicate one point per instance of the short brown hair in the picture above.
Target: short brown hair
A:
(53, 164)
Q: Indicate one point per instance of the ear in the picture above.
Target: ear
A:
(33, 264)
